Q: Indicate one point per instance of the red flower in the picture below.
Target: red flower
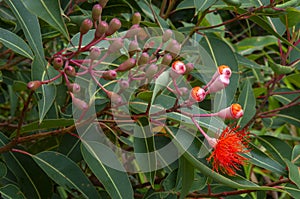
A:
(226, 155)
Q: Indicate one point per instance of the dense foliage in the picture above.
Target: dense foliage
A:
(150, 99)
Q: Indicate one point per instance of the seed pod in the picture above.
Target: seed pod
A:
(167, 59)
(109, 75)
(101, 29)
(189, 67)
(151, 70)
(136, 18)
(133, 48)
(126, 65)
(103, 3)
(124, 84)
(33, 85)
(178, 67)
(57, 63)
(198, 94)
(95, 53)
(114, 25)
(74, 87)
(115, 46)
(235, 111)
(144, 58)
(69, 70)
(167, 35)
(86, 25)
(96, 11)
(115, 98)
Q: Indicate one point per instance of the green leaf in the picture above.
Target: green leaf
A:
(15, 43)
(251, 44)
(3, 170)
(49, 91)
(115, 180)
(49, 11)
(290, 115)
(31, 179)
(199, 5)
(248, 102)
(294, 172)
(65, 173)
(31, 28)
(293, 190)
(294, 79)
(187, 172)
(11, 191)
(291, 18)
(280, 69)
(296, 154)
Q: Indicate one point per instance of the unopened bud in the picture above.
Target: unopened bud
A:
(198, 94)
(218, 84)
(82, 105)
(144, 58)
(114, 25)
(86, 25)
(115, 98)
(189, 67)
(178, 67)
(115, 46)
(133, 48)
(124, 84)
(33, 85)
(224, 70)
(103, 3)
(183, 90)
(126, 65)
(109, 75)
(101, 29)
(173, 48)
(69, 70)
(167, 59)
(133, 31)
(235, 111)
(151, 70)
(167, 35)
(136, 18)
(74, 87)
(95, 53)
(96, 11)
(57, 63)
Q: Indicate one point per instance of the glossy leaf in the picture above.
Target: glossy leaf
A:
(292, 17)
(31, 29)
(49, 91)
(198, 5)
(248, 102)
(251, 44)
(187, 173)
(15, 43)
(49, 11)
(65, 173)
(115, 180)
(293, 190)
(11, 191)
(3, 170)
(290, 115)
(294, 172)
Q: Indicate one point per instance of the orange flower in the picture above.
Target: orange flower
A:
(226, 155)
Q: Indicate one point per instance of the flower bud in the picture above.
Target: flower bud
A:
(167, 35)
(136, 18)
(144, 58)
(86, 25)
(173, 48)
(126, 65)
(82, 105)
(189, 67)
(167, 59)
(183, 90)
(151, 70)
(133, 31)
(218, 84)
(103, 3)
(198, 94)
(57, 63)
(74, 87)
(114, 25)
(224, 70)
(33, 85)
(96, 11)
(133, 48)
(124, 84)
(95, 53)
(234, 111)
(178, 67)
(101, 29)
(115, 46)
(69, 70)
(109, 75)
(115, 98)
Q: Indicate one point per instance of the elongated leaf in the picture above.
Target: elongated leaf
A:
(294, 172)
(248, 102)
(11, 191)
(290, 115)
(115, 180)
(187, 173)
(49, 11)
(31, 28)
(293, 190)
(49, 91)
(47, 124)
(15, 43)
(65, 173)
(3, 170)
(31, 179)
(199, 5)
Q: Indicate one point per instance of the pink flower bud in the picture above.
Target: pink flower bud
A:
(183, 91)
(173, 47)
(218, 84)
(57, 63)
(136, 18)
(133, 48)
(73, 87)
(101, 29)
(96, 11)
(33, 85)
(198, 94)
(109, 75)
(167, 35)
(178, 67)
(189, 67)
(167, 59)
(115, 46)
(114, 25)
(95, 53)
(115, 98)
(151, 70)
(234, 111)
(86, 25)
(124, 84)
(133, 31)
(144, 58)
(82, 105)
(222, 70)
(69, 70)
(126, 65)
